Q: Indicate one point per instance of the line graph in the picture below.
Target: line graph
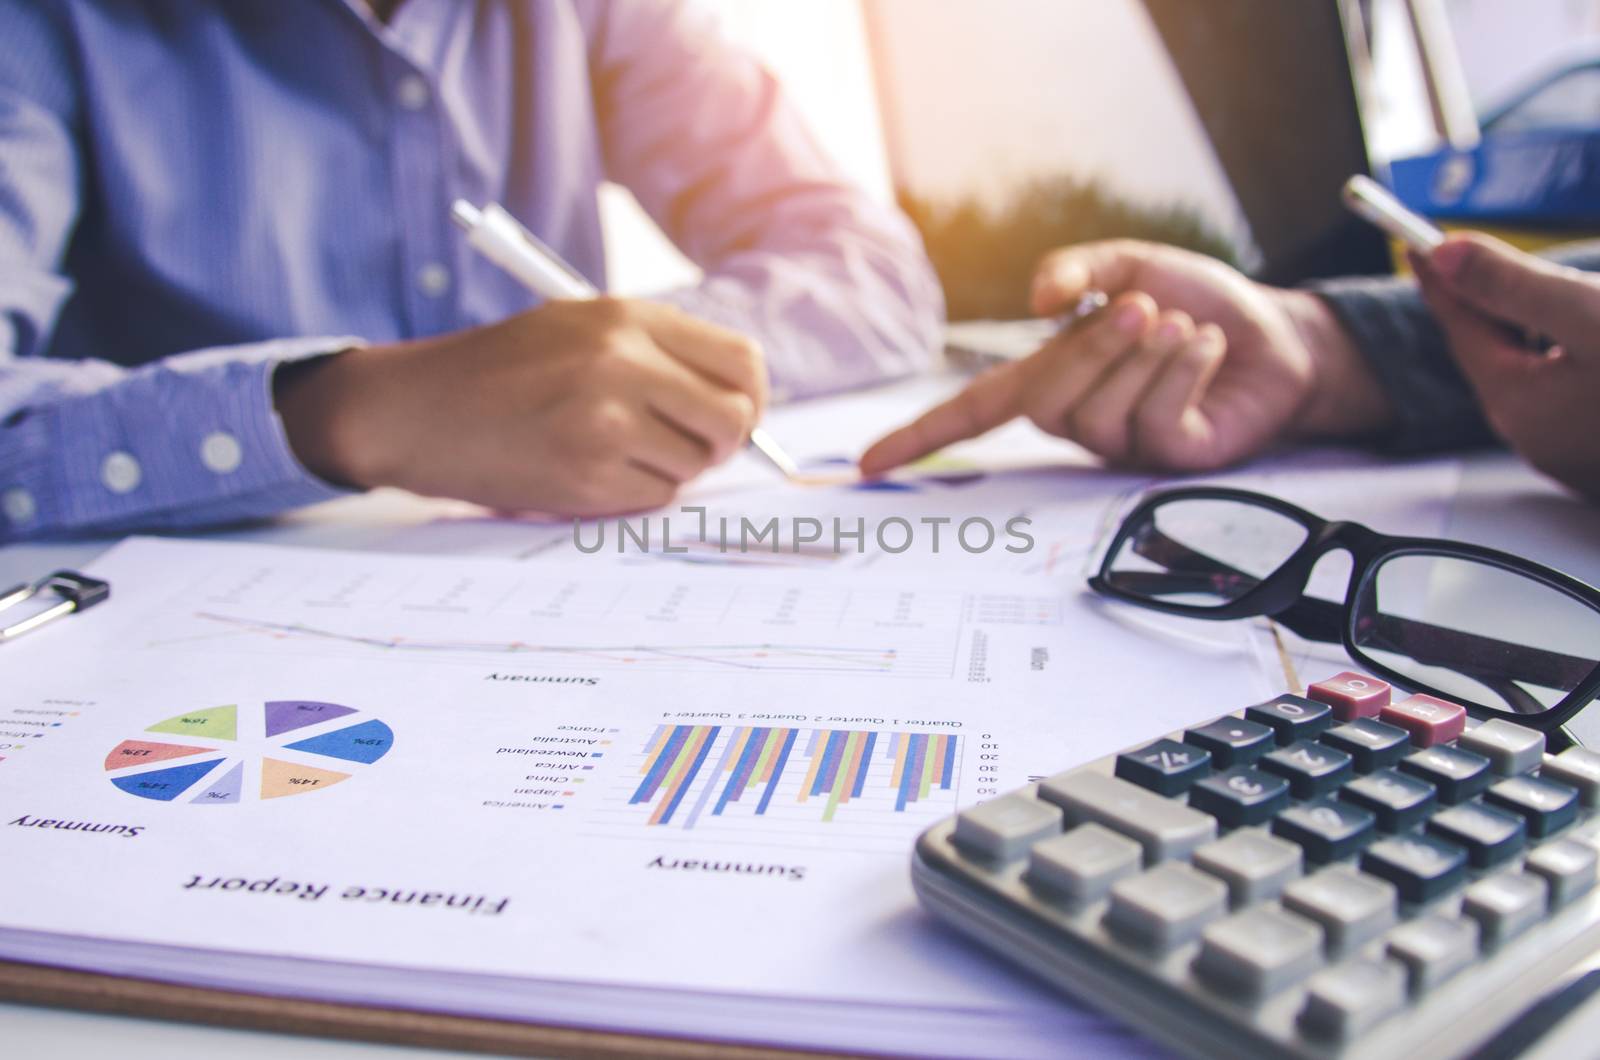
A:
(751, 656)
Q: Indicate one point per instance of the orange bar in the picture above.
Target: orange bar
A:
(853, 768)
(816, 764)
(900, 744)
(738, 749)
(655, 749)
(680, 771)
(775, 738)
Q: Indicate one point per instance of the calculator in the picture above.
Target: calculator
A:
(1344, 873)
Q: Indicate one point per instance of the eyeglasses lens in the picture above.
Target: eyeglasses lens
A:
(1202, 552)
(1475, 631)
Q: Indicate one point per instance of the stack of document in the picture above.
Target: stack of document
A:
(619, 791)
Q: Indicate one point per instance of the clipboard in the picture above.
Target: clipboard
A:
(36, 984)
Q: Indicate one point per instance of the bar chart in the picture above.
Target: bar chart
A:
(698, 776)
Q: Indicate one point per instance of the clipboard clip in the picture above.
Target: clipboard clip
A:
(73, 591)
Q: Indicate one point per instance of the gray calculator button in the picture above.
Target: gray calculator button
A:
(1165, 829)
(1506, 905)
(1259, 952)
(1433, 948)
(1083, 863)
(1569, 868)
(1165, 907)
(1346, 1000)
(1352, 907)
(1576, 767)
(1510, 748)
(1254, 865)
(1006, 827)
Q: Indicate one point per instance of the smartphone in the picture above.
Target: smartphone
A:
(1376, 204)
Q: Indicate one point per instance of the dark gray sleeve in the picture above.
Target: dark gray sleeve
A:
(1390, 324)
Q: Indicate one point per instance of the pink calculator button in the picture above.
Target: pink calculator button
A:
(1429, 720)
(1351, 695)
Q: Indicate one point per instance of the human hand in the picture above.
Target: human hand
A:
(1488, 297)
(573, 408)
(1192, 367)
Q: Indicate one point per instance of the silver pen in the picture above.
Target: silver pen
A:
(501, 238)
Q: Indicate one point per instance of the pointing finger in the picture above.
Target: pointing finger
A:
(988, 401)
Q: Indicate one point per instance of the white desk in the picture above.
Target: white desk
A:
(1501, 504)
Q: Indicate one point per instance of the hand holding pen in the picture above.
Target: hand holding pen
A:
(582, 406)
(498, 236)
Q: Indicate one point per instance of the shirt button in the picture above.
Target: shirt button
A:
(220, 452)
(120, 472)
(413, 92)
(19, 505)
(433, 279)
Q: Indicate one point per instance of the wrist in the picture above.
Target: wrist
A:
(321, 403)
(1344, 398)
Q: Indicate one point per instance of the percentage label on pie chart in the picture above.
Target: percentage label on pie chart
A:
(225, 755)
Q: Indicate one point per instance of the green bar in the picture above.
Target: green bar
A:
(845, 756)
(685, 755)
(766, 753)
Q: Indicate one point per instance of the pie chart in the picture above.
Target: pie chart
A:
(226, 755)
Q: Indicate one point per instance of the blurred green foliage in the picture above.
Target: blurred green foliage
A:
(985, 256)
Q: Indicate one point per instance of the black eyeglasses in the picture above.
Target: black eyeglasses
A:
(1502, 636)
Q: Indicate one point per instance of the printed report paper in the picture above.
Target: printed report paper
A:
(655, 799)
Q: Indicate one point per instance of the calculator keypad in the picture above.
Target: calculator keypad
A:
(1321, 861)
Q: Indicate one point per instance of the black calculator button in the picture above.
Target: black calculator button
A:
(1400, 801)
(1165, 767)
(1489, 835)
(1326, 831)
(1240, 796)
(1372, 744)
(1457, 774)
(1292, 718)
(1421, 867)
(1311, 769)
(1232, 741)
(1544, 805)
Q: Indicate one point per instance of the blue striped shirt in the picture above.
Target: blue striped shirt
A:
(193, 192)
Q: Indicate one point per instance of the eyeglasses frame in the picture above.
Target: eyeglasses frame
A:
(1368, 549)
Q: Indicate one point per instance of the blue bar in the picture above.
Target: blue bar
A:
(705, 794)
(949, 761)
(830, 762)
(669, 753)
(733, 787)
(866, 766)
(777, 771)
(699, 760)
(915, 748)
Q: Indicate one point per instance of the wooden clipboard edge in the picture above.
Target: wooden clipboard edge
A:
(37, 984)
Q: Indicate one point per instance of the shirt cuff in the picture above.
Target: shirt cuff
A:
(1434, 407)
(188, 441)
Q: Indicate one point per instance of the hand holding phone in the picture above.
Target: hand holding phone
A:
(1376, 204)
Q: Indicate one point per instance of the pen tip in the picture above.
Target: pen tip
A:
(465, 215)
